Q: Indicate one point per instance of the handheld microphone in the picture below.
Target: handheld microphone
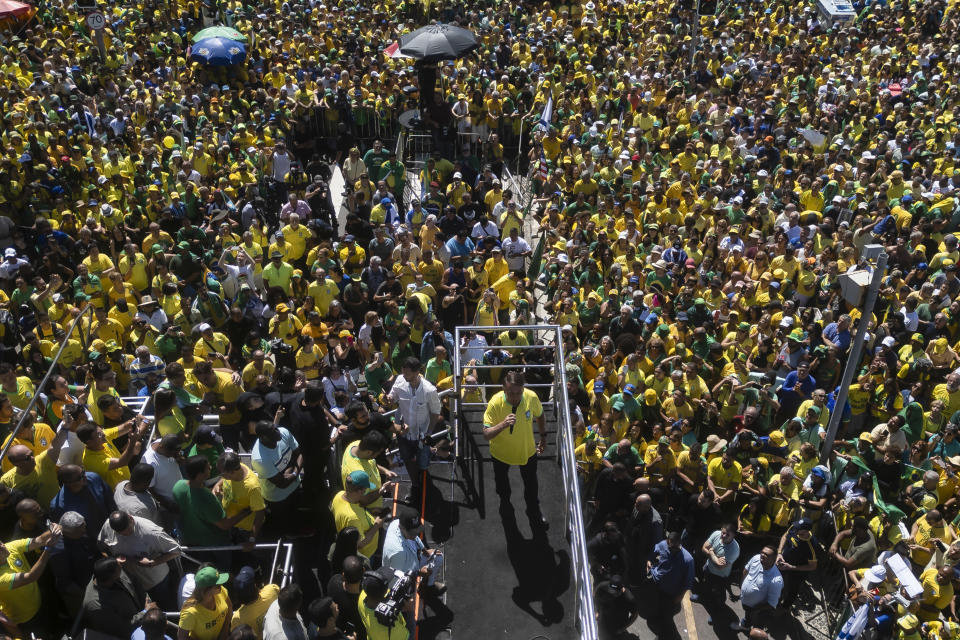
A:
(513, 410)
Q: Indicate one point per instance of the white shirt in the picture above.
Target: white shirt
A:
(278, 628)
(148, 540)
(281, 166)
(72, 451)
(760, 586)
(156, 319)
(415, 406)
(513, 251)
(269, 462)
(166, 472)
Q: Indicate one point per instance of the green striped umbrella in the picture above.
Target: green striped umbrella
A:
(219, 31)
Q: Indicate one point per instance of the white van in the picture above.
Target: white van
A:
(835, 14)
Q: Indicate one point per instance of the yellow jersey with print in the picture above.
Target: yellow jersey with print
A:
(19, 604)
(517, 445)
(202, 623)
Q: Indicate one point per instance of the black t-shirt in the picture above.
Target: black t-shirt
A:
(349, 613)
(309, 426)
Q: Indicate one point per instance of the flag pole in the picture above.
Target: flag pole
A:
(520, 143)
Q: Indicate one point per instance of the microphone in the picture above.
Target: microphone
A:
(513, 410)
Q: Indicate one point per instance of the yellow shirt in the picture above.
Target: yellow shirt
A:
(253, 614)
(23, 394)
(21, 603)
(351, 463)
(375, 630)
(724, 478)
(250, 372)
(323, 293)
(297, 239)
(40, 484)
(347, 514)
(228, 393)
(42, 437)
(173, 423)
(99, 461)
(206, 347)
(924, 538)
(237, 495)
(513, 446)
(203, 623)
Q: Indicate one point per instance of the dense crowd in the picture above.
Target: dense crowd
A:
(169, 232)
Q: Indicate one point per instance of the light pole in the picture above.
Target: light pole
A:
(853, 359)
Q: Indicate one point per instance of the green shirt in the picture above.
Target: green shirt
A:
(199, 510)
(437, 370)
(376, 377)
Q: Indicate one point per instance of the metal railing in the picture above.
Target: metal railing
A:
(43, 383)
(580, 565)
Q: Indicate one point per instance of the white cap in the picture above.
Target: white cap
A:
(457, 174)
(786, 322)
(204, 327)
(10, 253)
(889, 342)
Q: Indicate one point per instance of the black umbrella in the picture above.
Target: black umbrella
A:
(438, 42)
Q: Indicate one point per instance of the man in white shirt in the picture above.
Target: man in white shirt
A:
(418, 407)
(162, 456)
(516, 250)
(281, 162)
(282, 620)
(277, 462)
(761, 587)
(145, 550)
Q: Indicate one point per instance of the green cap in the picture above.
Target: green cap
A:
(208, 577)
(183, 244)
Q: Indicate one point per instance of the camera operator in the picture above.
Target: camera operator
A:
(374, 587)
(403, 550)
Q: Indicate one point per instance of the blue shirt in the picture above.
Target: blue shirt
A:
(460, 249)
(82, 503)
(672, 570)
(803, 387)
(760, 585)
(841, 338)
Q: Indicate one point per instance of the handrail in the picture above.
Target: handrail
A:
(43, 383)
(568, 467)
(574, 516)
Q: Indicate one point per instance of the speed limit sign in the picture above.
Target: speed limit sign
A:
(95, 21)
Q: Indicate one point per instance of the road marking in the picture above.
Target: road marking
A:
(688, 616)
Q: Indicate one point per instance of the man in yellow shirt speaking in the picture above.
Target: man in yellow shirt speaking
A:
(508, 427)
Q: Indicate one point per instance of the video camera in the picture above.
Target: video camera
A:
(401, 589)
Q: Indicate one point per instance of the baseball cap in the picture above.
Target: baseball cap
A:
(650, 397)
(245, 584)
(889, 342)
(629, 389)
(10, 253)
(208, 577)
(359, 479)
